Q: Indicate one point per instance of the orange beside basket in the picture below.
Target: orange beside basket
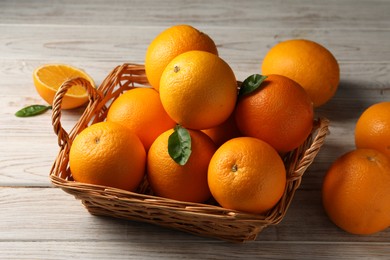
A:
(200, 219)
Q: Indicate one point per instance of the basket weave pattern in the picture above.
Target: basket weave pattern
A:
(209, 219)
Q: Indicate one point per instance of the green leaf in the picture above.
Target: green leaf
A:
(251, 83)
(179, 145)
(32, 110)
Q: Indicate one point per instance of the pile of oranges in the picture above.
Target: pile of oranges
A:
(198, 134)
(204, 134)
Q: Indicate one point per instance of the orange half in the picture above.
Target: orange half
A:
(48, 78)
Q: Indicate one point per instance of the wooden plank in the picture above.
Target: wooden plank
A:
(129, 43)
(43, 214)
(231, 13)
(143, 250)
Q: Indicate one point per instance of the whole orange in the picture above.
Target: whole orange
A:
(140, 110)
(279, 112)
(170, 43)
(198, 90)
(247, 174)
(223, 132)
(108, 154)
(180, 182)
(372, 129)
(356, 191)
(310, 64)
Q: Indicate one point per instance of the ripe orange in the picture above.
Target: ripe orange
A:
(310, 64)
(48, 78)
(140, 110)
(247, 174)
(171, 180)
(356, 192)
(170, 43)
(108, 154)
(223, 132)
(373, 128)
(280, 112)
(198, 90)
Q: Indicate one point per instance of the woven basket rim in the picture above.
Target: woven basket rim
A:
(97, 197)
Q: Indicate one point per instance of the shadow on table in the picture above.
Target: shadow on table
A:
(350, 100)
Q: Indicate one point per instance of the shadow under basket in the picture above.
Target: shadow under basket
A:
(208, 220)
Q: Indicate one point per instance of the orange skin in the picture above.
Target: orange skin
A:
(140, 110)
(198, 90)
(280, 112)
(223, 132)
(309, 64)
(247, 174)
(108, 154)
(169, 44)
(171, 180)
(356, 192)
(373, 128)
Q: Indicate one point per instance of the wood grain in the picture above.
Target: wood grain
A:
(238, 14)
(200, 250)
(122, 43)
(54, 215)
(67, 229)
(38, 221)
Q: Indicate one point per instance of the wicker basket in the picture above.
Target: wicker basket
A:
(208, 220)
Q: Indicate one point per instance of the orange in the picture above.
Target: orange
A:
(198, 90)
(310, 64)
(356, 191)
(372, 129)
(170, 43)
(279, 112)
(108, 154)
(48, 78)
(247, 174)
(171, 180)
(223, 132)
(140, 110)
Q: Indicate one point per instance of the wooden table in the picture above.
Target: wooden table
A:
(38, 221)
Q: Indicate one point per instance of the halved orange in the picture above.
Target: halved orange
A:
(48, 78)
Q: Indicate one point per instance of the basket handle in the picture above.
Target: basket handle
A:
(93, 95)
(311, 152)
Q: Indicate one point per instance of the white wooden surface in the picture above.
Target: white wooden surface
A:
(38, 221)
